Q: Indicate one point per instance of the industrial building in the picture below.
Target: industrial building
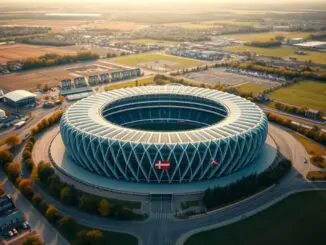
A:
(19, 98)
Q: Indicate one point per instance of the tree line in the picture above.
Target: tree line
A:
(54, 60)
(220, 196)
(304, 73)
(314, 133)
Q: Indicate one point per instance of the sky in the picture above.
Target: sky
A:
(170, 1)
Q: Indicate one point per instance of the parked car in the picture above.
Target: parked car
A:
(15, 231)
(10, 234)
(25, 225)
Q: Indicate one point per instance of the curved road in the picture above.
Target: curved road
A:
(162, 229)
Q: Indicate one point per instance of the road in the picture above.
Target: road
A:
(162, 229)
(33, 216)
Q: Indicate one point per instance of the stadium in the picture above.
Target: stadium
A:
(163, 134)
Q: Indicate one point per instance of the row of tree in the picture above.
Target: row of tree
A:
(47, 122)
(304, 73)
(54, 59)
(265, 44)
(293, 109)
(73, 197)
(314, 133)
(220, 196)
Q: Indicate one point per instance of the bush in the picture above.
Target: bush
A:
(67, 195)
(67, 224)
(36, 199)
(5, 157)
(13, 169)
(25, 186)
(33, 240)
(44, 171)
(104, 207)
(90, 237)
(51, 213)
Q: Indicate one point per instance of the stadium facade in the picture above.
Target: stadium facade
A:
(196, 134)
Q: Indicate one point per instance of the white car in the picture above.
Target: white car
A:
(15, 231)
(25, 225)
(10, 234)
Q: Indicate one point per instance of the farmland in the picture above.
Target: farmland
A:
(155, 61)
(283, 223)
(23, 51)
(251, 88)
(282, 52)
(29, 80)
(267, 36)
(152, 41)
(310, 94)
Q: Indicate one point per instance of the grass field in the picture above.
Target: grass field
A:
(251, 88)
(267, 36)
(152, 41)
(283, 52)
(297, 220)
(311, 146)
(210, 24)
(154, 59)
(134, 83)
(309, 94)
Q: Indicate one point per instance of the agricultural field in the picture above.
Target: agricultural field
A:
(156, 61)
(210, 24)
(295, 220)
(252, 88)
(307, 93)
(115, 25)
(265, 36)
(29, 80)
(282, 52)
(152, 41)
(23, 51)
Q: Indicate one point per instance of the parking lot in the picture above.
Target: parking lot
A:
(220, 76)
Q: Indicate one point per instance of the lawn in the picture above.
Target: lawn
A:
(152, 41)
(311, 146)
(296, 220)
(308, 93)
(251, 88)
(264, 36)
(133, 83)
(282, 52)
(173, 61)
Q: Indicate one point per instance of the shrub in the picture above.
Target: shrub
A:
(67, 223)
(13, 169)
(37, 199)
(25, 186)
(51, 213)
(5, 157)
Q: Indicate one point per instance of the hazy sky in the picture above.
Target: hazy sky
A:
(165, 1)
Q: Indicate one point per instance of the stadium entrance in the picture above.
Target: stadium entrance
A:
(161, 197)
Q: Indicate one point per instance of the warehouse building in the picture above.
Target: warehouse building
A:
(19, 98)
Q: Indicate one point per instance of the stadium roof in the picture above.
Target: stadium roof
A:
(86, 116)
(18, 95)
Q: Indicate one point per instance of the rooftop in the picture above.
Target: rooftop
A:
(18, 95)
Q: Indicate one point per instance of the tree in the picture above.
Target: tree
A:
(51, 213)
(25, 186)
(104, 207)
(45, 171)
(13, 170)
(5, 156)
(46, 87)
(33, 240)
(90, 237)
(87, 203)
(67, 195)
(2, 191)
(13, 140)
(67, 223)
(37, 199)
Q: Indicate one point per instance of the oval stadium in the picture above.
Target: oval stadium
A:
(164, 134)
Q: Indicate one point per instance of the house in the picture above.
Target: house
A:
(66, 84)
(80, 82)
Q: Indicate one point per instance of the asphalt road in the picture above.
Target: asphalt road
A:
(162, 229)
(34, 218)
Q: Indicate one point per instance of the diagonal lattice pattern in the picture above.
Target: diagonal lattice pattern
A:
(98, 133)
